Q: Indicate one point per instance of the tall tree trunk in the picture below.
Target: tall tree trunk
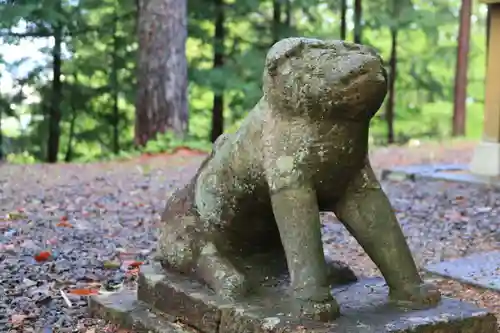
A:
(288, 16)
(2, 154)
(343, 19)
(69, 148)
(218, 105)
(391, 101)
(161, 102)
(137, 16)
(459, 107)
(276, 20)
(114, 83)
(55, 107)
(488, 22)
(358, 13)
(71, 136)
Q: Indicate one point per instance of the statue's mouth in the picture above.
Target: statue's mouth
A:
(359, 78)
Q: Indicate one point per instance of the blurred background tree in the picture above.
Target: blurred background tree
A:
(82, 80)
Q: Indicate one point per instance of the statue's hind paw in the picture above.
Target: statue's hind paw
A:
(219, 274)
(339, 273)
(233, 286)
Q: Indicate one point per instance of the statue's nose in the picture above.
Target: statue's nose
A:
(369, 63)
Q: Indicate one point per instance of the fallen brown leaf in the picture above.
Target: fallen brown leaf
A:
(17, 319)
(83, 292)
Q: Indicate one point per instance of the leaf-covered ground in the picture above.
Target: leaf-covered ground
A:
(68, 231)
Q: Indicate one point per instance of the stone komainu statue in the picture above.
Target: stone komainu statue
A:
(301, 150)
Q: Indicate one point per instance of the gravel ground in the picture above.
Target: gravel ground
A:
(97, 222)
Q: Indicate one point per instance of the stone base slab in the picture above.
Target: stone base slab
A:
(364, 308)
(123, 308)
(444, 172)
(479, 270)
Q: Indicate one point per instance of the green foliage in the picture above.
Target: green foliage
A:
(168, 143)
(100, 60)
(21, 158)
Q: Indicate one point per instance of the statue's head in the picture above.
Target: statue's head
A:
(324, 79)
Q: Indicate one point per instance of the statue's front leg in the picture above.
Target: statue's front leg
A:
(297, 215)
(366, 212)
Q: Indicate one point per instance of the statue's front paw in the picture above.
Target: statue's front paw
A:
(416, 296)
(319, 310)
(316, 303)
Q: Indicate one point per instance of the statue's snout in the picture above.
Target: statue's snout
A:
(356, 69)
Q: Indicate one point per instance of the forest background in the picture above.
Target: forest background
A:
(81, 95)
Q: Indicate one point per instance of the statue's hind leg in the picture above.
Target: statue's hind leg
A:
(213, 265)
(183, 249)
(367, 214)
(176, 248)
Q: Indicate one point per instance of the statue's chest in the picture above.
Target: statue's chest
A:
(335, 148)
(334, 163)
(333, 160)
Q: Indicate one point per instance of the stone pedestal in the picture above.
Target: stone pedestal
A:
(438, 172)
(486, 159)
(478, 270)
(167, 302)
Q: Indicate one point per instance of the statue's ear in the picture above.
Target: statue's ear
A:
(287, 48)
(283, 50)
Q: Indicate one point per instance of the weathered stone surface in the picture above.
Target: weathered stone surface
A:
(446, 172)
(364, 308)
(301, 150)
(480, 269)
(125, 310)
(181, 298)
